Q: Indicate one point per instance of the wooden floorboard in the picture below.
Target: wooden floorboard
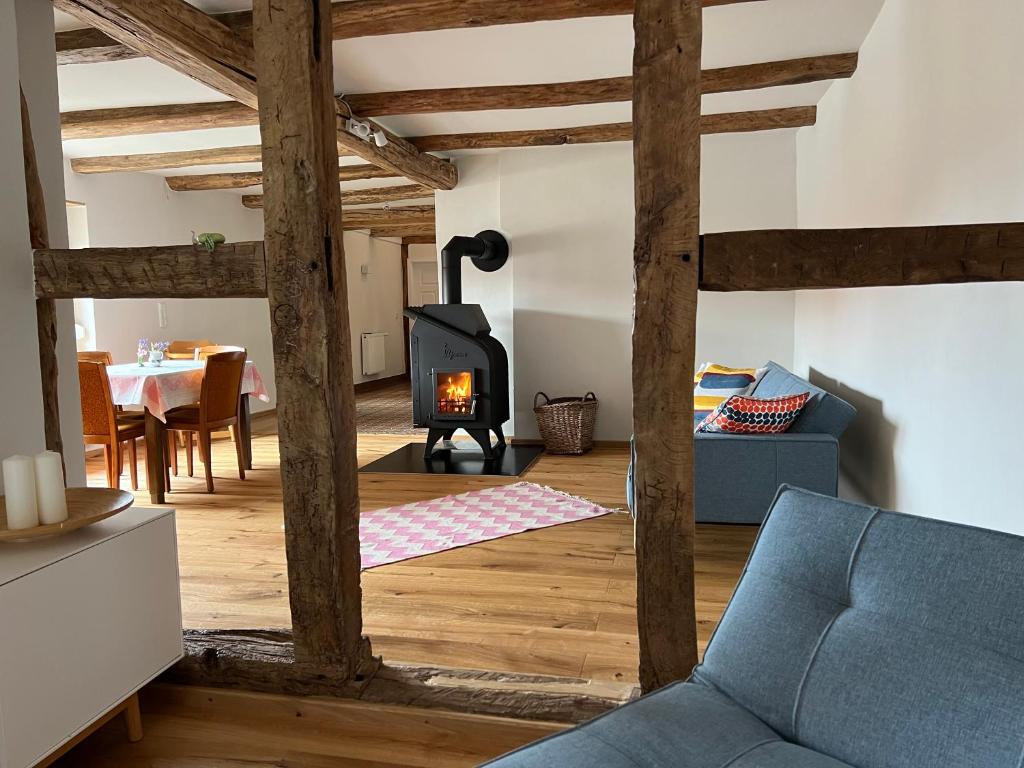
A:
(557, 601)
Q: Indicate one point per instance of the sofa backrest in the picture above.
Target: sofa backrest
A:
(883, 640)
(824, 413)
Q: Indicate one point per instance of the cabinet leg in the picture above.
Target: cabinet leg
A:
(133, 718)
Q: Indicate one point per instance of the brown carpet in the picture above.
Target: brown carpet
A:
(386, 411)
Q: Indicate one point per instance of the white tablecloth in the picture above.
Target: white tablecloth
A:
(172, 384)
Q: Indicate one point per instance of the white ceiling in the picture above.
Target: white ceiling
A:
(541, 52)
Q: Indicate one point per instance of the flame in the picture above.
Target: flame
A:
(458, 390)
(455, 392)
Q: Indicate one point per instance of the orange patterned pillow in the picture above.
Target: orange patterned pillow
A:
(742, 415)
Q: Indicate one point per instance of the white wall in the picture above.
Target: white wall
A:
(563, 305)
(375, 299)
(929, 131)
(26, 54)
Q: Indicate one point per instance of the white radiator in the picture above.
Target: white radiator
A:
(374, 349)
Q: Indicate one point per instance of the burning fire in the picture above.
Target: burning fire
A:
(455, 392)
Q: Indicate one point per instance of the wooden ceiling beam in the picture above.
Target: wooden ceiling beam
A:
(430, 239)
(729, 122)
(179, 35)
(207, 181)
(370, 196)
(767, 74)
(131, 120)
(195, 44)
(414, 216)
(797, 259)
(364, 18)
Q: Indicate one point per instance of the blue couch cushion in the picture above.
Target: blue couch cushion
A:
(686, 725)
(824, 413)
(882, 640)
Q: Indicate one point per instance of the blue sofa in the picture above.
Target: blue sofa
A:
(736, 476)
(856, 637)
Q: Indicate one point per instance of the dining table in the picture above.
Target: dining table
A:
(171, 384)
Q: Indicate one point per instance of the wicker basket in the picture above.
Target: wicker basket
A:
(566, 423)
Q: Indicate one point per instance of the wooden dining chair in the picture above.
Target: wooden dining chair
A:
(96, 356)
(218, 408)
(216, 349)
(103, 425)
(185, 349)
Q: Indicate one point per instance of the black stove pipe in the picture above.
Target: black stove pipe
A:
(488, 252)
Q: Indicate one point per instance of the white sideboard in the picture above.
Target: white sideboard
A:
(86, 620)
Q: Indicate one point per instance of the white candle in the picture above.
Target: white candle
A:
(20, 492)
(50, 498)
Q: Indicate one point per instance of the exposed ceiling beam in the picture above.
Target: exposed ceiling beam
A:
(158, 119)
(206, 181)
(364, 18)
(405, 216)
(179, 35)
(165, 160)
(740, 78)
(430, 239)
(729, 122)
(408, 230)
(363, 196)
(195, 44)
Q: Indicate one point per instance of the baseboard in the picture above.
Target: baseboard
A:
(375, 384)
(619, 444)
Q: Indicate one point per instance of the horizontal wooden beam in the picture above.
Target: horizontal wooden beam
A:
(421, 216)
(364, 18)
(206, 181)
(264, 661)
(131, 120)
(178, 35)
(370, 196)
(405, 230)
(796, 259)
(161, 272)
(740, 78)
(728, 122)
(155, 161)
(430, 239)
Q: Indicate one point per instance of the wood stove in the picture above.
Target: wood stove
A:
(459, 371)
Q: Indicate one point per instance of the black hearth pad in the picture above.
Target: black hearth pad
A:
(513, 461)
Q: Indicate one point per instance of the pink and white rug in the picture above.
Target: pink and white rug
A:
(425, 527)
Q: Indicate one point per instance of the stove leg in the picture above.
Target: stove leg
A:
(498, 433)
(483, 438)
(433, 435)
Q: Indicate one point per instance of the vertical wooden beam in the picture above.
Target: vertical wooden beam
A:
(46, 309)
(308, 298)
(666, 152)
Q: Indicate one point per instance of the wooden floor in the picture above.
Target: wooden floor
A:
(556, 601)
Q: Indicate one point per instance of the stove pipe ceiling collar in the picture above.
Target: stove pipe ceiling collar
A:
(488, 251)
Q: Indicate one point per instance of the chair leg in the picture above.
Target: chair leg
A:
(236, 433)
(172, 450)
(204, 442)
(189, 437)
(133, 467)
(111, 465)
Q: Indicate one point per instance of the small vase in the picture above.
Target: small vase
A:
(156, 357)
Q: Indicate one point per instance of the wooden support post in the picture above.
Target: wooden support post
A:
(46, 309)
(666, 151)
(308, 297)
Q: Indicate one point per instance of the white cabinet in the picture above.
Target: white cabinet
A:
(86, 620)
